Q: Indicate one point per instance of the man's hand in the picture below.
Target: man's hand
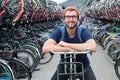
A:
(63, 44)
(72, 50)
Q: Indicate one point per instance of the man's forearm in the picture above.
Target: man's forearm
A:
(55, 48)
(81, 47)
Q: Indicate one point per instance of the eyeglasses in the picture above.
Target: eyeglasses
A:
(73, 17)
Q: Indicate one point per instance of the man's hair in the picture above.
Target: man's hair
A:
(71, 8)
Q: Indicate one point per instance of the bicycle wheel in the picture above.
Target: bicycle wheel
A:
(15, 9)
(46, 58)
(35, 52)
(27, 57)
(20, 70)
(5, 71)
(117, 68)
(111, 48)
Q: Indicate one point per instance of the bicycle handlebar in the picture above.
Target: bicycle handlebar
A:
(82, 52)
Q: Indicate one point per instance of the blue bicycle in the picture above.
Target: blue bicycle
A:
(6, 72)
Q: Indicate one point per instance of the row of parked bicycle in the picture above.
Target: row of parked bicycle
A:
(105, 9)
(107, 35)
(20, 49)
(26, 11)
(24, 26)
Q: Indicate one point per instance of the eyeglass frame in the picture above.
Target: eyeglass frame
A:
(73, 17)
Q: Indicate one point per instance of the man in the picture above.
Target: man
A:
(71, 42)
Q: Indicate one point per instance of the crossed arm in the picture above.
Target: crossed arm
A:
(62, 46)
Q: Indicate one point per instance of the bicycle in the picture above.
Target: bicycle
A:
(111, 49)
(117, 64)
(6, 72)
(70, 67)
(19, 68)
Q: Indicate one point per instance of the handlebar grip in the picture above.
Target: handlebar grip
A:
(51, 53)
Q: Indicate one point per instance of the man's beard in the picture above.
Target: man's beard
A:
(71, 27)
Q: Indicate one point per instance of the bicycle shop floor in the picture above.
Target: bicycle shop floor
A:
(103, 69)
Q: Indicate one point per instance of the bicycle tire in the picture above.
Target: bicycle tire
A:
(30, 43)
(15, 9)
(111, 47)
(35, 52)
(5, 71)
(24, 53)
(36, 45)
(117, 68)
(103, 38)
(20, 69)
(46, 58)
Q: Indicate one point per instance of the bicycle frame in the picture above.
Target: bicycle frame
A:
(3, 8)
(72, 73)
(72, 64)
(21, 5)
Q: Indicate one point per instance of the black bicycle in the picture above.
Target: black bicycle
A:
(117, 64)
(19, 68)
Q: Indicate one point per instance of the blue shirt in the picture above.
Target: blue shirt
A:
(85, 35)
